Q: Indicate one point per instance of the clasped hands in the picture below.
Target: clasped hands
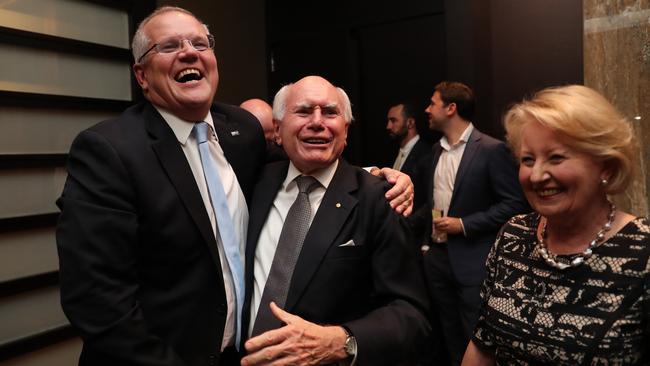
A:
(299, 342)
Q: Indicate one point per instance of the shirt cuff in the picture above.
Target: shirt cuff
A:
(462, 227)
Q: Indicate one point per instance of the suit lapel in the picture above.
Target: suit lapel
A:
(325, 227)
(412, 157)
(465, 162)
(172, 159)
(227, 132)
(437, 150)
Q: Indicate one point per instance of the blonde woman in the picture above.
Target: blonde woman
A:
(569, 283)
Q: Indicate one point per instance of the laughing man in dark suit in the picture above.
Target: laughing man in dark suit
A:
(355, 291)
(143, 275)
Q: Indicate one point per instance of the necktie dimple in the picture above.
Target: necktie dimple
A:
(286, 255)
(225, 226)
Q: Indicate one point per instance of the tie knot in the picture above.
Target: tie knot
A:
(306, 183)
(201, 130)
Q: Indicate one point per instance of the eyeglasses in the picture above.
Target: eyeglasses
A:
(176, 44)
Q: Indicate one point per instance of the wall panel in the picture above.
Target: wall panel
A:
(27, 253)
(30, 313)
(69, 19)
(43, 131)
(26, 192)
(32, 70)
(64, 353)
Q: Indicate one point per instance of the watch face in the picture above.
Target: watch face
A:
(351, 346)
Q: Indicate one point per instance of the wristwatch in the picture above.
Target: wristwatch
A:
(350, 346)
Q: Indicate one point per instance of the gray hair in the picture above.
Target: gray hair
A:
(280, 103)
(141, 41)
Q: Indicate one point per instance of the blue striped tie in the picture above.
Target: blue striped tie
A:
(226, 229)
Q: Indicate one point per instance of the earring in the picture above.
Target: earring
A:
(604, 182)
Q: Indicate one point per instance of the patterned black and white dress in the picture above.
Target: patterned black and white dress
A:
(535, 314)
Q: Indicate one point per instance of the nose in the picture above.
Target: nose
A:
(187, 48)
(186, 42)
(538, 173)
(316, 120)
(317, 115)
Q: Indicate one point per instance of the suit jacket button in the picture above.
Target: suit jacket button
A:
(222, 308)
(212, 360)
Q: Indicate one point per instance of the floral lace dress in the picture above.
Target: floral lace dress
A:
(536, 314)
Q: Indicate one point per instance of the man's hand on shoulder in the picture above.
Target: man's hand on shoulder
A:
(400, 197)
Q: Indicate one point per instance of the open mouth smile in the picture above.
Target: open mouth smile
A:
(316, 141)
(187, 75)
(548, 192)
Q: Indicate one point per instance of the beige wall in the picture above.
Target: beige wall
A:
(617, 64)
(239, 29)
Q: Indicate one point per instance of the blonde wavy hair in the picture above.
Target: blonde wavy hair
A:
(585, 121)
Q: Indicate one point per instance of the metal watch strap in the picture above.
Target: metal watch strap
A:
(350, 346)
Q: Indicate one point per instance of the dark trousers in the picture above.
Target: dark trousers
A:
(457, 305)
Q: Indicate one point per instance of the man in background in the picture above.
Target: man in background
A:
(262, 110)
(471, 179)
(401, 126)
(264, 114)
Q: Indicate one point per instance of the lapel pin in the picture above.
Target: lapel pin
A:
(338, 204)
(234, 133)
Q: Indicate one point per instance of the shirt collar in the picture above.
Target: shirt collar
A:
(409, 145)
(182, 128)
(464, 137)
(323, 176)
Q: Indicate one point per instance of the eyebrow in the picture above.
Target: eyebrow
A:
(311, 106)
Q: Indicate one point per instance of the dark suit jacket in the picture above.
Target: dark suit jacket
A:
(140, 273)
(486, 194)
(420, 149)
(375, 288)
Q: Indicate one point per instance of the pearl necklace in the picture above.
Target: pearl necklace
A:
(552, 260)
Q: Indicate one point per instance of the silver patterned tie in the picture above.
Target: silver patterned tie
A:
(286, 255)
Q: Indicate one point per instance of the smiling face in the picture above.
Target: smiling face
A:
(182, 82)
(437, 112)
(558, 181)
(313, 130)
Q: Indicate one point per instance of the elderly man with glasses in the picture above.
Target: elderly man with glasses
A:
(155, 209)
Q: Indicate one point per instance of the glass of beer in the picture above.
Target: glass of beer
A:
(438, 236)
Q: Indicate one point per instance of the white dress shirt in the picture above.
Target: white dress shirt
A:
(444, 176)
(236, 203)
(404, 152)
(270, 234)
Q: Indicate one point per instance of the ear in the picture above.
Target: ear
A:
(607, 170)
(140, 76)
(276, 131)
(410, 123)
(451, 109)
(347, 125)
